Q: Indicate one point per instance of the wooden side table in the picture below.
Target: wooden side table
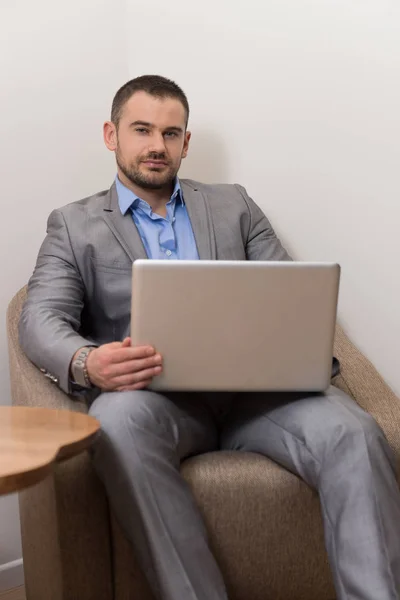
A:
(32, 439)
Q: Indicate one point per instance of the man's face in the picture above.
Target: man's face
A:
(150, 141)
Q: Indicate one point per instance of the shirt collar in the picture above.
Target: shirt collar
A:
(128, 199)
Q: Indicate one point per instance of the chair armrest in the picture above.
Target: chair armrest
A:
(361, 380)
(29, 387)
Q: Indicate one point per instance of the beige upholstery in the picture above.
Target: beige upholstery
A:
(264, 523)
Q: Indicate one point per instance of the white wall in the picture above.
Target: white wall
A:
(299, 102)
(60, 65)
(296, 100)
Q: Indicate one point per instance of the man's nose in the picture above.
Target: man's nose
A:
(157, 143)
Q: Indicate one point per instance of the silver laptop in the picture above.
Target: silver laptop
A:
(237, 325)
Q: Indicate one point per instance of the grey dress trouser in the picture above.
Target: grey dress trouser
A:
(326, 439)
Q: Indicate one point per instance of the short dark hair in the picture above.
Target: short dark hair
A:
(155, 85)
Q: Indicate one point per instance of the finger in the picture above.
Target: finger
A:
(136, 386)
(126, 343)
(114, 345)
(134, 366)
(133, 378)
(131, 353)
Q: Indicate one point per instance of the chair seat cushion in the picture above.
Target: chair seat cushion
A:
(265, 530)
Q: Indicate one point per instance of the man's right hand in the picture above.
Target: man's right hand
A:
(118, 366)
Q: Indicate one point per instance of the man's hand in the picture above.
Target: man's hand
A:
(119, 366)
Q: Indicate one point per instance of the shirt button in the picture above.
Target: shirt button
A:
(168, 253)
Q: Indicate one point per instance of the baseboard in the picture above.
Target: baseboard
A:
(11, 575)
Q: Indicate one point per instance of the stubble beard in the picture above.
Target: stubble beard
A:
(143, 180)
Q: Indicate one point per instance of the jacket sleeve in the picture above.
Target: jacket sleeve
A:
(262, 242)
(51, 317)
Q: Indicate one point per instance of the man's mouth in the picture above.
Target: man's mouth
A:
(155, 163)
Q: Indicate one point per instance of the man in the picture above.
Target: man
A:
(75, 327)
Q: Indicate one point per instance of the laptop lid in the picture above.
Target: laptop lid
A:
(237, 325)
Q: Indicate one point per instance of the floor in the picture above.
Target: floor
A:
(15, 594)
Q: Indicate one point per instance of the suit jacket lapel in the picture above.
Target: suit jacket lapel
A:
(128, 236)
(200, 218)
(123, 226)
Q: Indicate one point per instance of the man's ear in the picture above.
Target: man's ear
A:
(110, 135)
(185, 148)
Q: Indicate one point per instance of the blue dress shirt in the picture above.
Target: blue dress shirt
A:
(163, 238)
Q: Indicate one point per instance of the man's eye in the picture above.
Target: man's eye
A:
(170, 134)
(141, 130)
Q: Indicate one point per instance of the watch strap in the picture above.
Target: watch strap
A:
(79, 370)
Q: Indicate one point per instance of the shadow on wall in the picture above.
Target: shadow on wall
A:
(207, 160)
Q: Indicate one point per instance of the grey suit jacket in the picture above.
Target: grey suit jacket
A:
(80, 290)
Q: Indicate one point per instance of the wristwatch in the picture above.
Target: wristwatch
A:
(79, 370)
